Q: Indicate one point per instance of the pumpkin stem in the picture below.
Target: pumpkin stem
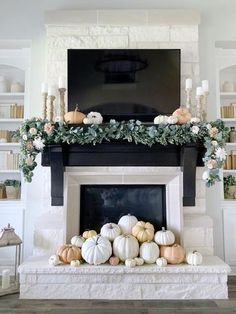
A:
(163, 229)
(194, 251)
(77, 107)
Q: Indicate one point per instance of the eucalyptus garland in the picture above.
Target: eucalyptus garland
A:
(35, 133)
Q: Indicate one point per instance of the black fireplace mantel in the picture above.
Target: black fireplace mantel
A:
(120, 153)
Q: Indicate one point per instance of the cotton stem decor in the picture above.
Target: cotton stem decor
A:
(36, 133)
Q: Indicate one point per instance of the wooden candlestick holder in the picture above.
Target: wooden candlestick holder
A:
(44, 113)
(50, 108)
(62, 103)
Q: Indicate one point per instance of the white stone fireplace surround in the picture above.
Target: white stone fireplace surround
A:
(56, 225)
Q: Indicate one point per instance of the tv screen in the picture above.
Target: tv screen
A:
(124, 83)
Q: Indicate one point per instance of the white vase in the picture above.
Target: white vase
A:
(17, 87)
(3, 85)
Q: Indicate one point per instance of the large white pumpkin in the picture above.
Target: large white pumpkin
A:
(77, 241)
(194, 258)
(149, 251)
(110, 231)
(125, 247)
(126, 223)
(96, 250)
(164, 237)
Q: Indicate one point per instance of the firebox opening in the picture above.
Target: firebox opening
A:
(100, 204)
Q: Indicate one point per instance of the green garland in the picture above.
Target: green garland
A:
(35, 133)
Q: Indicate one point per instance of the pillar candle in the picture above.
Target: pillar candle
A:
(205, 86)
(61, 82)
(44, 88)
(52, 91)
(5, 279)
(199, 91)
(188, 83)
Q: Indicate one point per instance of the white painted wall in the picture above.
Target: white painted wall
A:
(23, 19)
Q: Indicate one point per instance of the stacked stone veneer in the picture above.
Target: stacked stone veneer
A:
(123, 29)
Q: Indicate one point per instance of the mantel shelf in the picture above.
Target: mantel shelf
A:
(121, 153)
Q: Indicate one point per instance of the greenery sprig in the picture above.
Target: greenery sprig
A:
(35, 133)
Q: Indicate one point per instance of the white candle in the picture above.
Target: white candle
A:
(52, 91)
(188, 83)
(205, 86)
(44, 88)
(61, 82)
(5, 279)
(199, 91)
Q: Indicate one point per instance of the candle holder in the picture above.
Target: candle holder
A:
(204, 105)
(62, 103)
(50, 107)
(199, 112)
(45, 96)
(188, 98)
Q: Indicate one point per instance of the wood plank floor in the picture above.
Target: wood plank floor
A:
(12, 304)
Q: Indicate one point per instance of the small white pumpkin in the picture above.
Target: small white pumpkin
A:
(149, 251)
(161, 119)
(161, 262)
(126, 223)
(194, 258)
(139, 261)
(75, 263)
(110, 231)
(125, 247)
(54, 260)
(93, 118)
(172, 120)
(96, 250)
(164, 237)
(195, 120)
(130, 263)
(77, 241)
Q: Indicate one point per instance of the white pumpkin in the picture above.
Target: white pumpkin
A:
(139, 261)
(161, 119)
(164, 237)
(125, 247)
(161, 262)
(75, 263)
(54, 260)
(194, 258)
(110, 231)
(130, 262)
(77, 241)
(172, 120)
(126, 223)
(195, 120)
(149, 251)
(93, 118)
(96, 250)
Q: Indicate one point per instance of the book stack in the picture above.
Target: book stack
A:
(230, 162)
(16, 111)
(227, 111)
(9, 160)
(5, 135)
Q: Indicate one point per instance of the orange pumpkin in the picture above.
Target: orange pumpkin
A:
(68, 253)
(74, 117)
(174, 254)
(182, 114)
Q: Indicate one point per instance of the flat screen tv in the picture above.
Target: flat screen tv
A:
(124, 84)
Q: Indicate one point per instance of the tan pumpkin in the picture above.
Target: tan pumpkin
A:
(68, 253)
(182, 114)
(89, 234)
(74, 117)
(174, 254)
(143, 231)
(114, 260)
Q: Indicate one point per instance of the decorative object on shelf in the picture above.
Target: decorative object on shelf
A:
(50, 103)
(74, 117)
(75, 263)
(143, 231)
(194, 258)
(68, 253)
(3, 85)
(125, 247)
(93, 118)
(161, 262)
(161, 119)
(174, 254)
(16, 111)
(16, 87)
(227, 87)
(232, 135)
(54, 260)
(77, 241)
(96, 250)
(44, 92)
(126, 223)
(182, 115)
(12, 188)
(114, 260)
(8, 237)
(3, 194)
(149, 251)
(4, 136)
(89, 234)
(227, 111)
(130, 262)
(212, 135)
(164, 237)
(110, 231)
(230, 187)
(139, 261)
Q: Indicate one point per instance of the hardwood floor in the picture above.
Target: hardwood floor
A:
(12, 304)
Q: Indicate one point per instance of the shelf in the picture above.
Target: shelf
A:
(230, 144)
(229, 171)
(11, 95)
(9, 171)
(11, 120)
(9, 144)
(229, 119)
(228, 95)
